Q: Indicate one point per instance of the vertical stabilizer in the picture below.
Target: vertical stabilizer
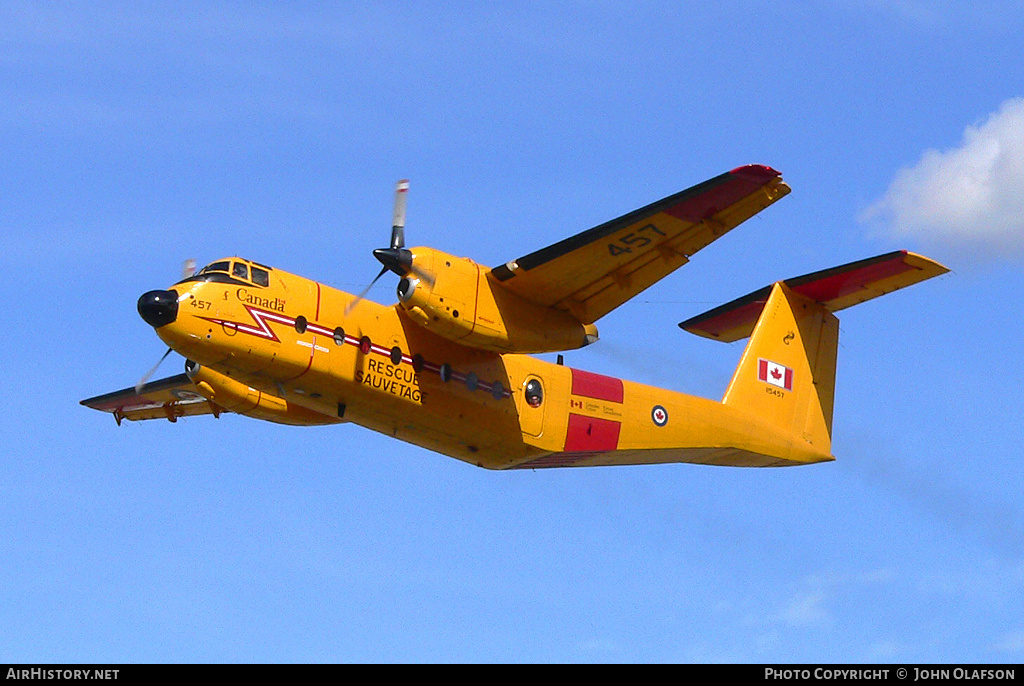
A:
(787, 373)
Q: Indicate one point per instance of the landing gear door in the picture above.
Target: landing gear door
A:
(530, 402)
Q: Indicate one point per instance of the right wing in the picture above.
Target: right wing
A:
(593, 272)
(167, 398)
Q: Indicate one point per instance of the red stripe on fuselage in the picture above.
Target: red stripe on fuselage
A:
(264, 331)
(591, 434)
(591, 385)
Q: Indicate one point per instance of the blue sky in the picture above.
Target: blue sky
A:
(135, 138)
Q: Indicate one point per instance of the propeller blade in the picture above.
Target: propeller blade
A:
(398, 216)
(352, 305)
(188, 269)
(145, 378)
(396, 258)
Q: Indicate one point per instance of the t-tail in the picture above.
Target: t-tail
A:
(787, 374)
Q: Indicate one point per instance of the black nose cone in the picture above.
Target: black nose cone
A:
(159, 307)
(398, 260)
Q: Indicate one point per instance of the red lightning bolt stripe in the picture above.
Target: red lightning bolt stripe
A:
(263, 330)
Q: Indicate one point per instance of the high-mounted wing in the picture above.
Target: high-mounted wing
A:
(836, 288)
(165, 399)
(593, 272)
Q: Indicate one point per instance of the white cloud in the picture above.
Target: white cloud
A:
(970, 198)
(810, 605)
(807, 609)
(599, 647)
(885, 650)
(1011, 643)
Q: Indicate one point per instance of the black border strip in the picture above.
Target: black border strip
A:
(563, 247)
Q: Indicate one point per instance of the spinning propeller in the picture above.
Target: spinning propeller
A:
(396, 258)
(145, 378)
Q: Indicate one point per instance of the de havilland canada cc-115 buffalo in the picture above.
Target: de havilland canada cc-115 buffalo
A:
(448, 367)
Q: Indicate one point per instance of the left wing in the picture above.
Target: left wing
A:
(165, 399)
(593, 272)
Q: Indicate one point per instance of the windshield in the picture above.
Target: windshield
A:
(233, 271)
(222, 266)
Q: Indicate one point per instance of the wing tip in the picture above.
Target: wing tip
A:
(922, 262)
(760, 172)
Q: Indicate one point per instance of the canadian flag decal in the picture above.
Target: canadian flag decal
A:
(775, 374)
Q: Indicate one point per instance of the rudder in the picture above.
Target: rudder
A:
(787, 373)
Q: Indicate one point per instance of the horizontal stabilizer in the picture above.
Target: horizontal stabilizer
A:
(836, 288)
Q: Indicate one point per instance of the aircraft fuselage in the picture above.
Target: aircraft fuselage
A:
(291, 341)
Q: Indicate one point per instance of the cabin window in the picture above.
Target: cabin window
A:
(240, 270)
(534, 393)
(260, 277)
(300, 324)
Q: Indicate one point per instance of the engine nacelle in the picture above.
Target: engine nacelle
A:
(468, 305)
(235, 396)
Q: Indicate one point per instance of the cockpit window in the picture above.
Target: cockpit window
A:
(216, 267)
(232, 271)
(260, 277)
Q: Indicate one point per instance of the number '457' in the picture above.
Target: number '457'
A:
(635, 239)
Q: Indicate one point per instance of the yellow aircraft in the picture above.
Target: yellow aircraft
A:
(448, 366)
